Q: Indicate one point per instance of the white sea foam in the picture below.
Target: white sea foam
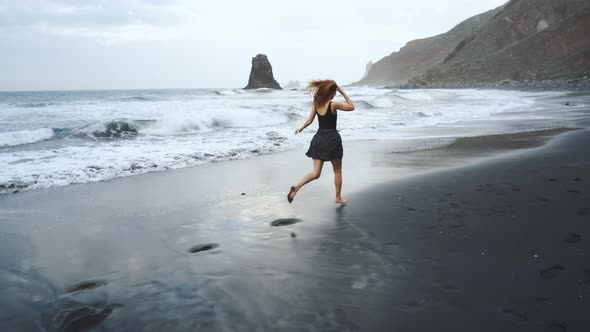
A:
(21, 137)
(106, 135)
(178, 123)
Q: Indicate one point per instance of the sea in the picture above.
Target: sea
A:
(57, 138)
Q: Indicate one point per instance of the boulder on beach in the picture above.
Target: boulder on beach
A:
(261, 74)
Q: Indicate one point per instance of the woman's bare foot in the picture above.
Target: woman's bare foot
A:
(291, 194)
(340, 200)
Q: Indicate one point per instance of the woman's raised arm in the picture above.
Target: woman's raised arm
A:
(349, 106)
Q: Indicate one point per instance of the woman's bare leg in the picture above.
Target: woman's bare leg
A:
(337, 165)
(315, 174)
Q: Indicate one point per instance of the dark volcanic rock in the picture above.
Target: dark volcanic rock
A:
(261, 74)
(518, 20)
(552, 272)
(572, 238)
(539, 44)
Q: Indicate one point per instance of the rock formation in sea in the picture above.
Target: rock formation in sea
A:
(527, 42)
(417, 56)
(261, 74)
(293, 85)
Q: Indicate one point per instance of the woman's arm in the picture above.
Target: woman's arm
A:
(349, 106)
(308, 121)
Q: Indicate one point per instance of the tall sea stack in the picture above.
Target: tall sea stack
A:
(261, 74)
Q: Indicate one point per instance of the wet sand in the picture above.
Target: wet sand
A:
(487, 234)
(501, 245)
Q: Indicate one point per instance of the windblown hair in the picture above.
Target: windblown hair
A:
(322, 90)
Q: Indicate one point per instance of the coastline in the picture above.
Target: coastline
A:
(408, 246)
(569, 85)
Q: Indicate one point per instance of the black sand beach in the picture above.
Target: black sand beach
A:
(488, 234)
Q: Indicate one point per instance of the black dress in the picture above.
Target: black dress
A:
(326, 144)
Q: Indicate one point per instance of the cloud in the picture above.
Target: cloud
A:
(185, 43)
(105, 22)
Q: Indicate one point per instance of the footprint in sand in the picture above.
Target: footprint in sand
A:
(585, 283)
(444, 286)
(86, 285)
(202, 247)
(552, 272)
(558, 327)
(284, 222)
(544, 300)
(515, 314)
(416, 305)
(572, 238)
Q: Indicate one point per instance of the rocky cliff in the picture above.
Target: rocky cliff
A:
(419, 55)
(261, 74)
(528, 41)
(368, 69)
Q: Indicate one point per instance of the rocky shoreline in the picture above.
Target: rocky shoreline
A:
(581, 84)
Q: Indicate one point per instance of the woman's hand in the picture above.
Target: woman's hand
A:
(297, 131)
(349, 106)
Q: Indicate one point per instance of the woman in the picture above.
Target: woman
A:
(326, 144)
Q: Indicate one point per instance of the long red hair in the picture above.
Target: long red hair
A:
(322, 91)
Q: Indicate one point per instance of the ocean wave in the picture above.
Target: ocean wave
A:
(364, 104)
(34, 105)
(395, 94)
(139, 98)
(227, 92)
(14, 138)
(382, 102)
(101, 138)
(79, 164)
(391, 99)
(264, 90)
(182, 124)
(108, 129)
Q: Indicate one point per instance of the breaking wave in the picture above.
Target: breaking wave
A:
(14, 138)
(108, 129)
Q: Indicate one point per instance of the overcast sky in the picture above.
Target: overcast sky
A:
(135, 44)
